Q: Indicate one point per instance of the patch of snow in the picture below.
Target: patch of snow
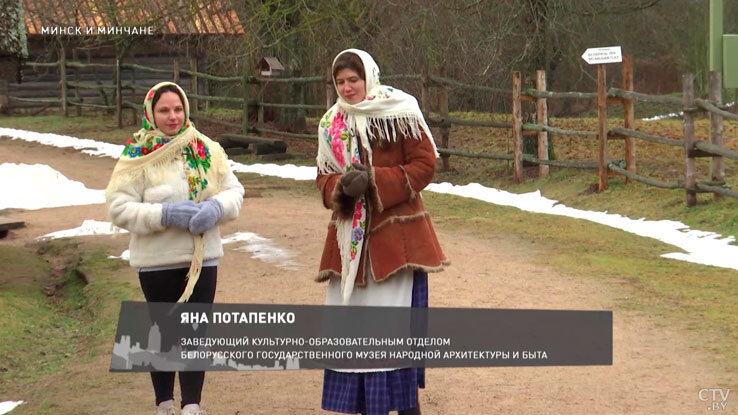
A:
(39, 186)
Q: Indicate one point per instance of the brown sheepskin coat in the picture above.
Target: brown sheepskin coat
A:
(399, 230)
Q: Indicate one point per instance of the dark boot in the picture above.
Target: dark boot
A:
(411, 411)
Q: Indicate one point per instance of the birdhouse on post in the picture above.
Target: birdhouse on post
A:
(270, 66)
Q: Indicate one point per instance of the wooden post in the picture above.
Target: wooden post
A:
(542, 118)
(175, 70)
(206, 88)
(300, 121)
(517, 115)
(260, 109)
(95, 74)
(443, 109)
(193, 85)
(77, 97)
(134, 113)
(118, 95)
(602, 128)
(424, 93)
(688, 126)
(629, 116)
(245, 85)
(716, 129)
(132, 72)
(4, 100)
(63, 80)
(329, 101)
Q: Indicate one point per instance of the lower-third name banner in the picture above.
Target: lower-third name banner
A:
(194, 337)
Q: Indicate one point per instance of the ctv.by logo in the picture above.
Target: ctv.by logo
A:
(718, 398)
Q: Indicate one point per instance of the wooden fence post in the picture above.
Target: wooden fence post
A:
(424, 93)
(716, 129)
(193, 85)
(688, 127)
(132, 72)
(629, 116)
(329, 101)
(301, 122)
(175, 70)
(63, 80)
(4, 100)
(245, 85)
(601, 128)
(77, 97)
(260, 109)
(542, 118)
(118, 95)
(517, 115)
(443, 109)
(206, 90)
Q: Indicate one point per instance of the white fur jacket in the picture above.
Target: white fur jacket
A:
(137, 208)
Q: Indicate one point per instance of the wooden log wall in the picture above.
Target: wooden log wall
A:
(45, 82)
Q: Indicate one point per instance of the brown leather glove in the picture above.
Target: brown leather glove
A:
(356, 181)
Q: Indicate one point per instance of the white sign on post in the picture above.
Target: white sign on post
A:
(610, 54)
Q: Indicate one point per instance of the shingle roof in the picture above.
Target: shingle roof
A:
(273, 63)
(165, 16)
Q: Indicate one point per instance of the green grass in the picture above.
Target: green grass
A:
(574, 188)
(44, 334)
(26, 314)
(686, 295)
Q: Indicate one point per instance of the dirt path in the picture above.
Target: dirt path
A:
(657, 369)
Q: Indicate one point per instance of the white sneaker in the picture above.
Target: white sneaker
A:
(166, 408)
(192, 409)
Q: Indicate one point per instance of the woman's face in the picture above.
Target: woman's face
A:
(350, 86)
(169, 113)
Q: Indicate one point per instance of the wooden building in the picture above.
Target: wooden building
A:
(152, 33)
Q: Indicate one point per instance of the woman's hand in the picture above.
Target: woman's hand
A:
(209, 213)
(178, 214)
(356, 181)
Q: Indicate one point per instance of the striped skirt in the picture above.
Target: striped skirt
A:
(378, 393)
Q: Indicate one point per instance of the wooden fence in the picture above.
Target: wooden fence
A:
(624, 96)
(693, 148)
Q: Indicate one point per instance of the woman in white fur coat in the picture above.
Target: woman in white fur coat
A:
(171, 188)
